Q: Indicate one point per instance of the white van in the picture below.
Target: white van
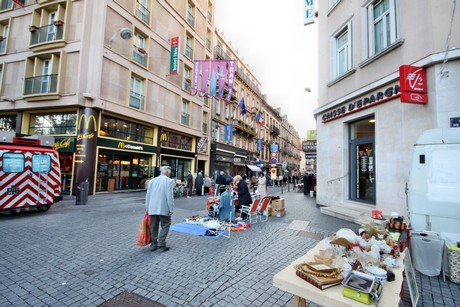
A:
(434, 182)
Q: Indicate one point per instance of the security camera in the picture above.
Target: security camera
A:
(126, 33)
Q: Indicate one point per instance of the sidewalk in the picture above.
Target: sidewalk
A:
(87, 255)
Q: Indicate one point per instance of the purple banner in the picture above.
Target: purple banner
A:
(231, 76)
(213, 83)
(204, 76)
(222, 76)
(196, 76)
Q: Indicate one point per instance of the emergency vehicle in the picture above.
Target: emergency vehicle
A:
(30, 175)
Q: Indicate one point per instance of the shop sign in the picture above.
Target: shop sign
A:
(64, 144)
(412, 80)
(455, 122)
(174, 58)
(118, 144)
(236, 160)
(224, 159)
(202, 144)
(309, 12)
(309, 146)
(363, 103)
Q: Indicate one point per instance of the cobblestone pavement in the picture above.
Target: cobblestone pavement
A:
(85, 255)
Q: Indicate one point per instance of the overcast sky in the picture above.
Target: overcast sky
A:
(271, 37)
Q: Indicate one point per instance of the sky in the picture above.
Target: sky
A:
(282, 52)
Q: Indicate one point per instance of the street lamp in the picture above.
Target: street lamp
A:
(125, 33)
(307, 89)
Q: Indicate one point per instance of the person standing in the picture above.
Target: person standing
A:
(262, 186)
(221, 182)
(189, 184)
(159, 204)
(207, 184)
(244, 196)
(254, 182)
(198, 183)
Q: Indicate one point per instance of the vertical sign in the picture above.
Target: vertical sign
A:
(174, 59)
(231, 77)
(309, 12)
(196, 77)
(259, 145)
(412, 81)
(228, 133)
(21, 3)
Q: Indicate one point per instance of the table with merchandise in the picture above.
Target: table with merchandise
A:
(303, 291)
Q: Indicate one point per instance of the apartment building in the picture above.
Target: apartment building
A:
(100, 78)
(289, 147)
(366, 129)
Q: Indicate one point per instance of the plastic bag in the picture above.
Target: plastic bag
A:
(143, 238)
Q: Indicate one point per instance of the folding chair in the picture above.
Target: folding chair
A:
(263, 210)
(251, 211)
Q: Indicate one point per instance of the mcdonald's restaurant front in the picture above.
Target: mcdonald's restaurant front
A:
(123, 165)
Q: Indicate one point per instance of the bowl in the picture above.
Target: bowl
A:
(379, 273)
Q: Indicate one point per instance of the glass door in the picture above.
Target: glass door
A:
(363, 170)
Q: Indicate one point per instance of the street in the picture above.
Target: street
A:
(85, 255)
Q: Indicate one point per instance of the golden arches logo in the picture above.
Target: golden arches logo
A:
(163, 137)
(121, 145)
(87, 120)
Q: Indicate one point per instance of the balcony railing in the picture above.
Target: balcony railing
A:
(187, 84)
(185, 118)
(274, 130)
(205, 127)
(136, 100)
(189, 52)
(190, 19)
(3, 45)
(6, 4)
(208, 43)
(41, 84)
(46, 33)
(140, 56)
(142, 12)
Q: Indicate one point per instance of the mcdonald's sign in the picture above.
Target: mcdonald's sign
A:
(121, 145)
(163, 137)
(87, 120)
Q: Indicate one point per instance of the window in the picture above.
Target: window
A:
(3, 37)
(139, 53)
(217, 104)
(142, 10)
(209, 14)
(41, 74)
(125, 130)
(185, 116)
(187, 76)
(382, 25)
(227, 111)
(13, 162)
(55, 123)
(208, 39)
(217, 134)
(136, 99)
(189, 46)
(342, 48)
(8, 123)
(190, 14)
(6, 4)
(41, 163)
(205, 122)
(206, 100)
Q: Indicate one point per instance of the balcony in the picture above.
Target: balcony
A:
(221, 54)
(140, 56)
(274, 130)
(45, 34)
(185, 119)
(187, 84)
(45, 84)
(136, 100)
(245, 128)
(3, 44)
(189, 52)
(142, 12)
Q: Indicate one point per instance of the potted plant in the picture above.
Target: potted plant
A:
(141, 50)
(33, 28)
(58, 23)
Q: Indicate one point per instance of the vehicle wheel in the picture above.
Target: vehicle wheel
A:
(44, 208)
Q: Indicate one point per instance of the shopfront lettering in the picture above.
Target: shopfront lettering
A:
(65, 143)
(82, 136)
(362, 103)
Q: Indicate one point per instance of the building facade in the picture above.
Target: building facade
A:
(100, 78)
(365, 132)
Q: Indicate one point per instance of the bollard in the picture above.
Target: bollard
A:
(82, 193)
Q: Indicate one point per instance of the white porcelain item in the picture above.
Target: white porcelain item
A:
(379, 273)
(347, 234)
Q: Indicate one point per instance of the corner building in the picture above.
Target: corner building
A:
(97, 76)
(365, 132)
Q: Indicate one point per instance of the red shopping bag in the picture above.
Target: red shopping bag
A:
(210, 191)
(143, 238)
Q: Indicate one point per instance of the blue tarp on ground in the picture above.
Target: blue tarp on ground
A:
(191, 229)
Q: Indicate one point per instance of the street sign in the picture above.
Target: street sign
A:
(273, 161)
(274, 147)
(273, 173)
(284, 164)
(274, 155)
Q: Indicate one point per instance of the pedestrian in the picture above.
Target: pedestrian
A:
(244, 197)
(254, 182)
(199, 183)
(221, 182)
(189, 184)
(159, 203)
(207, 184)
(262, 186)
(228, 179)
(305, 184)
(280, 180)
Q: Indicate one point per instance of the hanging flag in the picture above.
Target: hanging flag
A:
(204, 76)
(196, 77)
(213, 83)
(21, 3)
(242, 106)
(259, 119)
(259, 145)
(228, 133)
(221, 77)
(231, 77)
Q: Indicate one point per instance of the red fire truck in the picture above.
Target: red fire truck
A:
(30, 175)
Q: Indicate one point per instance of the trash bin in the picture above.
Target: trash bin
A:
(453, 259)
(82, 193)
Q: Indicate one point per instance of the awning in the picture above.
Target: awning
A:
(254, 168)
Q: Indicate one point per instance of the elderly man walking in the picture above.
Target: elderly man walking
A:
(159, 203)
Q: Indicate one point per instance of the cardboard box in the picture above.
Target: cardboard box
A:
(277, 204)
(279, 212)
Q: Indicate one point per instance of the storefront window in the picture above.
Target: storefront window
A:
(177, 141)
(57, 123)
(180, 167)
(121, 129)
(362, 160)
(8, 123)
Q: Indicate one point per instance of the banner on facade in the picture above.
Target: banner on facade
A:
(229, 133)
(259, 145)
(309, 16)
(219, 73)
(174, 57)
(231, 77)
